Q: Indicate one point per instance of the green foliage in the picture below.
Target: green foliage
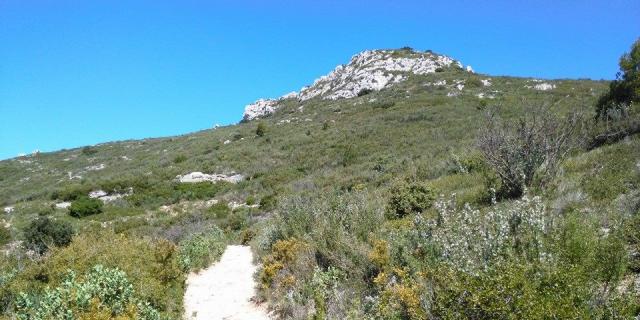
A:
(180, 158)
(473, 82)
(410, 197)
(104, 292)
(43, 233)
(71, 192)
(261, 129)
(196, 191)
(5, 235)
(268, 202)
(85, 206)
(200, 250)
(626, 87)
(150, 266)
(89, 151)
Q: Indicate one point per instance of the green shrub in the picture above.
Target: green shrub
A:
(200, 250)
(219, 210)
(180, 158)
(623, 90)
(261, 130)
(5, 235)
(103, 292)
(70, 193)
(364, 92)
(197, 191)
(473, 82)
(89, 151)
(85, 206)
(151, 267)
(43, 233)
(250, 200)
(407, 198)
(268, 202)
(383, 104)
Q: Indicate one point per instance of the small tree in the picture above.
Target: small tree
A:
(517, 150)
(43, 233)
(625, 89)
(617, 110)
(261, 129)
(85, 206)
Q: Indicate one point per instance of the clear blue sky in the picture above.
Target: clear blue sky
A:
(74, 73)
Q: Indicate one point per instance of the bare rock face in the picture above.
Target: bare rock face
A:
(195, 177)
(371, 70)
(259, 109)
(540, 85)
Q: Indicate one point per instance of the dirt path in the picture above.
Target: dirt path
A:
(224, 290)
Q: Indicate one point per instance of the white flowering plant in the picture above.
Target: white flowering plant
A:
(470, 240)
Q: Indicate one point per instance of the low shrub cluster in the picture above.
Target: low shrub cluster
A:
(44, 233)
(151, 267)
(410, 197)
(104, 293)
(85, 206)
(200, 250)
(5, 235)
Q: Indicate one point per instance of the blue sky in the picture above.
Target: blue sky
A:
(74, 73)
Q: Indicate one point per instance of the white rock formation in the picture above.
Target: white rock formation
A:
(235, 205)
(541, 86)
(97, 167)
(105, 197)
(369, 70)
(373, 70)
(486, 82)
(97, 194)
(63, 205)
(9, 209)
(259, 108)
(194, 177)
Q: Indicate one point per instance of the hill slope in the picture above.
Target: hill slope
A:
(313, 173)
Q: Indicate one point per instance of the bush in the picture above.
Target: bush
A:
(151, 267)
(518, 150)
(103, 293)
(626, 87)
(70, 193)
(261, 130)
(268, 202)
(474, 82)
(200, 250)
(407, 198)
(43, 233)
(180, 158)
(364, 92)
(89, 151)
(5, 235)
(85, 206)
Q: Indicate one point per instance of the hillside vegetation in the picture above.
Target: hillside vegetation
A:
(447, 195)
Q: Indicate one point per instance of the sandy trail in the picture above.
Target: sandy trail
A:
(224, 290)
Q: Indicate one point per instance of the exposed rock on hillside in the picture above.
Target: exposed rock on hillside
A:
(260, 108)
(194, 177)
(370, 70)
(541, 86)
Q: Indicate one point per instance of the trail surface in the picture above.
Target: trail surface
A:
(224, 290)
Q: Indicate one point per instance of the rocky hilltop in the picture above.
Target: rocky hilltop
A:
(370, 70)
